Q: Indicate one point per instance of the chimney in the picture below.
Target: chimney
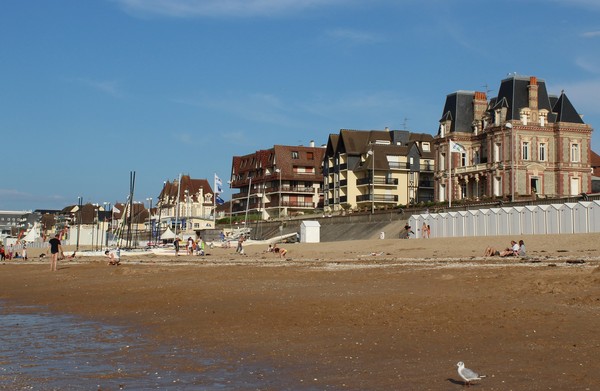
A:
(387, 129)
(479, 105)
(311, 144)
(533, 93)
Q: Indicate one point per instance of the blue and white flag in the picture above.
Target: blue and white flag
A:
(219, 200)
(456, 147)
(218, 185)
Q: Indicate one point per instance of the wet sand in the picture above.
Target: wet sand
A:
(357, 315)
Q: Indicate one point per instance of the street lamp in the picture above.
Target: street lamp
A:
(277, 170)
(371, 152)
(508, 125)
(150, 225)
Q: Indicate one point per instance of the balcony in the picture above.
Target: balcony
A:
(427, 167)
(468, 169)
(377, 198)
(297, 204)
(399, 165)
(378, 181)
(426, 184)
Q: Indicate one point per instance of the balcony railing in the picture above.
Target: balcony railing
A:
(399, 165)
(475, 168)
(377, 198)
(427, 167)
(378, 181)
(426, 184)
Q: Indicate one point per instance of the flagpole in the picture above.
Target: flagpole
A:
(449, 173)
(215, 189)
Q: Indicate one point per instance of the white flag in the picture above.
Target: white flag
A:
(456, 147)
(115, 210)
(218, 185)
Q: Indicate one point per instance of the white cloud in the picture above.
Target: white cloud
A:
(210, 8)
(587, 65)
(105, 86)
(353, 36)
(591, 34)
(254, 107)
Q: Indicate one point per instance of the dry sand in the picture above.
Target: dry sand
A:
(357, 315)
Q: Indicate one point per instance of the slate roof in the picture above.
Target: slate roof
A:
(170, 189)
(459, 108)
(565, 112)
(515, 90)
(513, 95)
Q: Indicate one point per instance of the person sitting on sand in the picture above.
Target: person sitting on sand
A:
(511, 251)
(490, 252)
(112, 260)
(522, 252)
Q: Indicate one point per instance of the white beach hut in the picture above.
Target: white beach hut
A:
(581, 212)
(514, 216)
(504, 221)
(594, 216)
(310, 232)
(437, 225)
(492, 225)
(540, 222)
(470, 217)
(527, 219)
(481, 222)
(566, 218)
(553, 219)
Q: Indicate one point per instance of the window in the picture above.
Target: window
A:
(525, 150)
(542, 152)
(496, 152)
(463, 159)
(295, 155)
(426, 147)
(310, 155)
(575, 153)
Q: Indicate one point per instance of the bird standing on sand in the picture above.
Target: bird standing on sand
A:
(467, 374)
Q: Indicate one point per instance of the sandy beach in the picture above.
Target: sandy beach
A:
(354, 315)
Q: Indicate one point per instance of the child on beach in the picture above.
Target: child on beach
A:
(277, 250)
(112, 259)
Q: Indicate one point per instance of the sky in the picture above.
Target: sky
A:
(92, 91)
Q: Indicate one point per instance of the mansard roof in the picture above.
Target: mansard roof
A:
(565, 112)
(459, 110)
(514, 90)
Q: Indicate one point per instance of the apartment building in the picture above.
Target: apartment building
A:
(522, 143)
(278, 182)
(371, 169)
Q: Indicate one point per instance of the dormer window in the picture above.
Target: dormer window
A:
(543, 117)
(524, 116)
(426, 147)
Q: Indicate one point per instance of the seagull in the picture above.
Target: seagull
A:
(467, 374)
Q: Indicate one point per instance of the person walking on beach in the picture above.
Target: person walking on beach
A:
(240, 245)
(55, 249)
(190, 246)
(24, 251)
(176, 244)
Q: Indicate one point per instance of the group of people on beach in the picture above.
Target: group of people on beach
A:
(516, 249)
(192, 247)
(10, 253)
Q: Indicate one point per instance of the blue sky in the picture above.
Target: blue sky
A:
(92, 90)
